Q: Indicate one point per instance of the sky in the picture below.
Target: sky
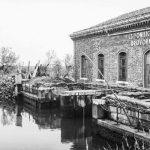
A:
(32, 27)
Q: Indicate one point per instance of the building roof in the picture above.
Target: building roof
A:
(122, 20)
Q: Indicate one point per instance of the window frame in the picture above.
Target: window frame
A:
(100, 67)
(122, 67)
(83, 68)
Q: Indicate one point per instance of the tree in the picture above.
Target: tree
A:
(57, 68)
(50, 54)
(8, 59)
(42, 70)
(68, 65)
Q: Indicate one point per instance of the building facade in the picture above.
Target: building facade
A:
(119, 48)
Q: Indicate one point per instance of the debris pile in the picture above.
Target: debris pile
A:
(47, 81)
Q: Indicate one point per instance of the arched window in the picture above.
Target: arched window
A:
(122, 66)
(83, 66)
(100, 66)
(147, 70)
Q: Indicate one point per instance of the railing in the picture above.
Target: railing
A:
(42, 93)
(139, 117)
(30, 89)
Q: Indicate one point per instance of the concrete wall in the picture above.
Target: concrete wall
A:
(111, 46)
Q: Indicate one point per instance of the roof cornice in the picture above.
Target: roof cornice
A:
(115, 26)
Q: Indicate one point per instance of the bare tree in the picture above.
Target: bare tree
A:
(50, 54)
(68, 65)
(57, 68)
(8, 59)
(42, 70)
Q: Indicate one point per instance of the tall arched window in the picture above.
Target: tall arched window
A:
(122, 66)
(83, 66)
(100, 65)
(147, 70)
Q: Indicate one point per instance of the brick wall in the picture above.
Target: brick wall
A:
(111, 46)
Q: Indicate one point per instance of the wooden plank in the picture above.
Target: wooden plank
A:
(79, 92)
(30, 95)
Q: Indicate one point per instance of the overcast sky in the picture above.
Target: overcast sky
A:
(32, 27)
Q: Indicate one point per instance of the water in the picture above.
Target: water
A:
(22, 127)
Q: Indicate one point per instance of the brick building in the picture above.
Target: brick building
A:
(119, 48)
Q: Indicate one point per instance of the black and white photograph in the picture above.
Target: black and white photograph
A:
(74, 74)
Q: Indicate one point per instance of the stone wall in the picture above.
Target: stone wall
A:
(111, 46)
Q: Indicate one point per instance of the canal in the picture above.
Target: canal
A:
(23, 127)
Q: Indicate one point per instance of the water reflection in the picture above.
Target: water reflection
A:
(7, 114)
(72, 130)
(44, 118)
(24, 127)
(19, 109)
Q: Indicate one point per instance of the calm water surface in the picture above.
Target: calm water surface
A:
(24, 128)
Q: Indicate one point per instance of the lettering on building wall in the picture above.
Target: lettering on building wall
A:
(139, 38)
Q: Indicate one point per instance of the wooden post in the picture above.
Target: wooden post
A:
(40, 105)
(37, 91)
(138, 124)
(117, 116)
(25, 87)
(18, 83)
(29, 89)
(63, 101)
(16, 90)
